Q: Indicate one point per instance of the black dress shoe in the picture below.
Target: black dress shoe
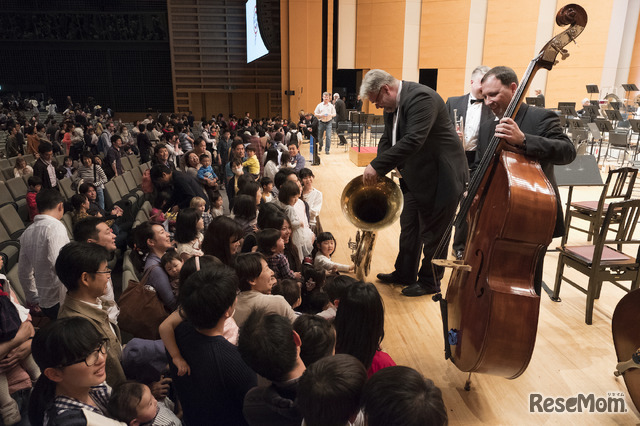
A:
(417, 289)
(387, 278)
(459, 254)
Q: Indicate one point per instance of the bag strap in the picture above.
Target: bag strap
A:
(145, 277)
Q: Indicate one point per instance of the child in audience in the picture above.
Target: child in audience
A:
(336, 287)
(271, 244)
(205, 172)
(318, 338)
(290, 290)
(216, 204)
(67, 164)
(200, 204)
(267, 186)
(252, 162)
(172, 263)
(35, 185)
(22, 168)
(132, 403)
(325, 247)
(80, 204)
(244, 213)
(188, 233)
(301, 236)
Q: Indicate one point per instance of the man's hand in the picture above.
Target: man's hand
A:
(508, 130)
(370, 176)
(160, 389)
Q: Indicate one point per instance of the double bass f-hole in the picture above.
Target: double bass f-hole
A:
(479, 288)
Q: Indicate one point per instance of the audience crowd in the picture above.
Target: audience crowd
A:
(259, 326)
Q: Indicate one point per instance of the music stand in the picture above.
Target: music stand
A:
(603, 125)
(628, 88)
(591, 89)
(534, 101)
(613, 114)
(595, 134)
(566, 104)
(374, 120)
(569, 111)
(590, 111)
(635, 127)
(357, 118)
(615, 105)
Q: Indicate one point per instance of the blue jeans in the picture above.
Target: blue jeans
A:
(322, 127)
(100, 197)
(22, 399)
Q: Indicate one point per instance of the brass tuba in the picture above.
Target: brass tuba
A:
(369, 208)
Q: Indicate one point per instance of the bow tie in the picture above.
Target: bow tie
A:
(473, 101)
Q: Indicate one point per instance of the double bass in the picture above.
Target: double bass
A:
(490, 313)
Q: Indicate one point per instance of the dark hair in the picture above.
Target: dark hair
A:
(218, 236)
(400, 395)
(84, 187)
(272, 155)
(270, 216)
(336, 287)
(278, 137)
(158, 147)
(267, 239)
(206, 295)
(203, 156)
(142, 233)
(250, 188)
(360, 322)
(505, 74)
(158, 171)
(76, 258)
(214, 195)
(244, 207)
(48, 199)
(124, 400)
(250, 148)
(186, 222)
(78, 200)
(87, 228)
(196, 263)
(304, 172)
(55, 345)
(265, 181)
(289, 289)
(34, 181)
(267, 346)
(288, 190)
(317, 335)
(322, 237)
(45, 147)
(248, 267)
(86, 154)
(168, 256)
(329, 390)
(283, 174)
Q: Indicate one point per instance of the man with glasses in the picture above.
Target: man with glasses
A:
(420, 141)
(82, 268)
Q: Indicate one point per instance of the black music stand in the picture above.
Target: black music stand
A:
(604, 125)
(374, 122)
(615, 105)
(591, 89)
(357, 118)
(614, 114)
(568, 110)
(595, 135)
(635, 127)
(535, 101)
(566, 104)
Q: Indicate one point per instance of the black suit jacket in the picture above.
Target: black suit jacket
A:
(428, 152)
(185, 187)
(546, 142)
(460, 103)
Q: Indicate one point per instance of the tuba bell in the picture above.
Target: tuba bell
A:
(369, 208)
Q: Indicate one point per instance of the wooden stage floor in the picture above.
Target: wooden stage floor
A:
(570, 357)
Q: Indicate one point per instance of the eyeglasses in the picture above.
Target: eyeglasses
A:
(378, 95)
(108, 271)
(91, 359)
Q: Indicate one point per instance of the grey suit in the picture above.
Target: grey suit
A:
(430, 158)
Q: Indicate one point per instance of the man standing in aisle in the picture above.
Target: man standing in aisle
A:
(420, 141)
(325, 111)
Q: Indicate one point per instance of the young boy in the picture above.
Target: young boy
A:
(200, 204)
(205, 172)
(132, 403)
(252, 162)
(267, 186)
(35, 185)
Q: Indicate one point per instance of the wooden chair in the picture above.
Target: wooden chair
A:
(618, 187)
(601, 262)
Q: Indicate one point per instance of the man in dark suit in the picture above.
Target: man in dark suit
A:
(419, 140)
(535, 130)
(183, 187)
(472, 110)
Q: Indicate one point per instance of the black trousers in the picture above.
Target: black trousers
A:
(420, 235)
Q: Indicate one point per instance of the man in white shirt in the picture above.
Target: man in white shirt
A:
(39, 247)
(325, 111)
(472, 110)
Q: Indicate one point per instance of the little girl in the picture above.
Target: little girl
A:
(271, 244)
(172, 263)
(301, 236)
(325, 246)
(188, 234)
(68, 167)
(216, 204)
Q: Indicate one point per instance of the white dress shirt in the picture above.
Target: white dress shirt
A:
(472, 125)
(39, 247)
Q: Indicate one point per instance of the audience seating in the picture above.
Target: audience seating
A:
(68, 223)
(7, 173)
(11, 221)
(65, 188)
(5, 196)
(126, 164)
(18, 190)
